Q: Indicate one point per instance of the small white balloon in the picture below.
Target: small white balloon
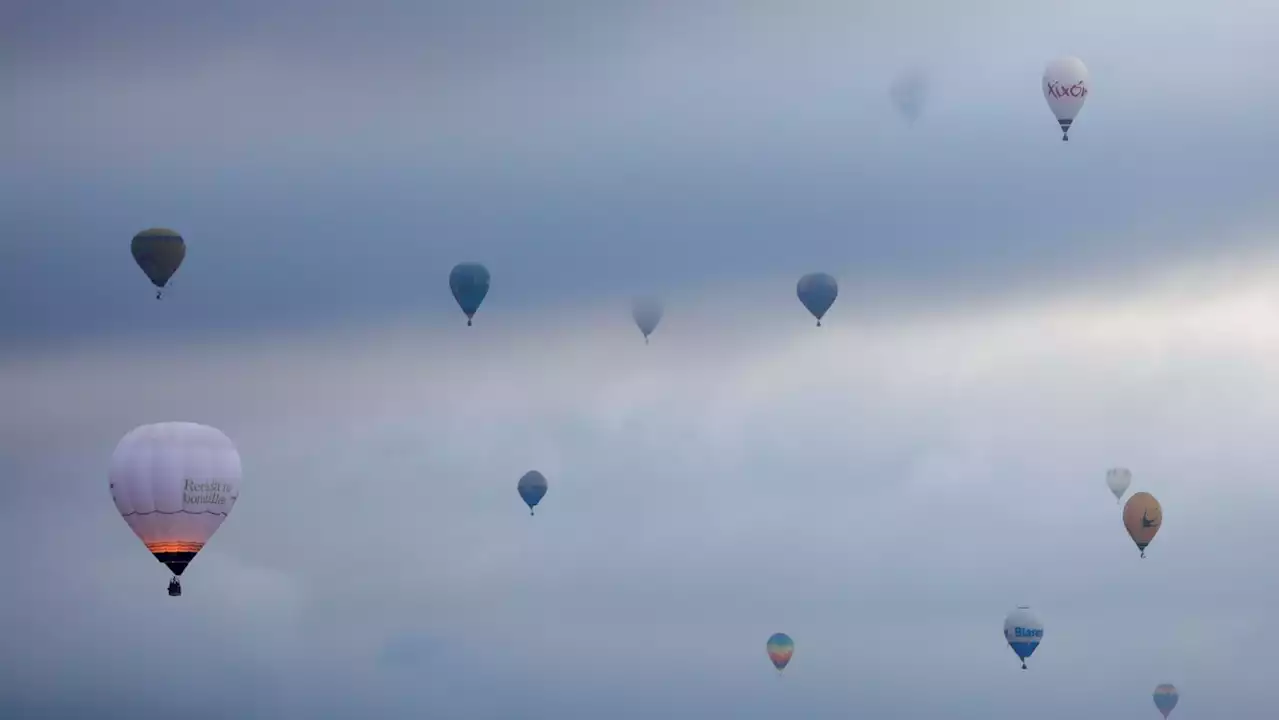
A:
(1118, 480)
(1066, 87)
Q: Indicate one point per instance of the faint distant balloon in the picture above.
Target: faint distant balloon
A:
(1118, 480)
(1143, 518)
(908, 93)
(817, 291)
(159, 252)
(174, 483)
(647, 312)
(780, 649)
(1166, 698)
(1066, 87)
(469, 283)
(532, 487)
(1023, 631)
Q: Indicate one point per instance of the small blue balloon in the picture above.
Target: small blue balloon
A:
(817, 291)
(469, 283)
(532, 487)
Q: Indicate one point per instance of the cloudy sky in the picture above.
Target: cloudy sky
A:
(1016, 315)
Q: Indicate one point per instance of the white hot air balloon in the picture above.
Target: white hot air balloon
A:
(1066, 87)
(1118, 480)
(1023, 631)
(174, 483)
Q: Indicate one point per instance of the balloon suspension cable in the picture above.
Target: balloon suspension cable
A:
(1064, 137)
(159, 293)
(1142, 554)
(819, 323)
(1024, 664)
(646, 339)
(468, 322)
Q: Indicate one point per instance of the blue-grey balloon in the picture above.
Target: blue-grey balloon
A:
(532, 487)
(817, 291)
(647, 313)
(469, 283)
(908, 92)
(159, 252)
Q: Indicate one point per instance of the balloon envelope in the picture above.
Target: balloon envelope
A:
(908, 93)
(1066, 86)
(469, 283)
(1143, 518)
(817, 291)
(1023, 631)
(1118, 480)
(174, 483)
(532, 487)
(647, 312)
(159, 252)
(780, 649)
(1166, 698)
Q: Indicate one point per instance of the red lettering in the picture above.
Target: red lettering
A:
(1078, 90)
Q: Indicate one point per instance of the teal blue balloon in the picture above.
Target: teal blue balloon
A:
(817, 291)
(469, 283)
(532, 487)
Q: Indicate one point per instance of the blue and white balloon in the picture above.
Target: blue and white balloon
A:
(1023, 631)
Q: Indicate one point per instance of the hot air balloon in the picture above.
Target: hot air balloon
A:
(908, 92)
(817, 291)
(1066, 86)
(1143, 518)
(647, 312)
(532, 487)
(780, 649)
(1023, 632)
(174, 483)
(159, 252)
(1166, 698)
(1118, 480)
(469, 283)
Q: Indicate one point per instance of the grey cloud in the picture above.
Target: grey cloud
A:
(1016, 315)
(699, 501)
(670, 149)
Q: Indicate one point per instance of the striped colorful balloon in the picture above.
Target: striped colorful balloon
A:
(780, 649)
(1166, 698)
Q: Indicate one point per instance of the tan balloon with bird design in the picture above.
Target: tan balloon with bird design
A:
(1143, 518)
